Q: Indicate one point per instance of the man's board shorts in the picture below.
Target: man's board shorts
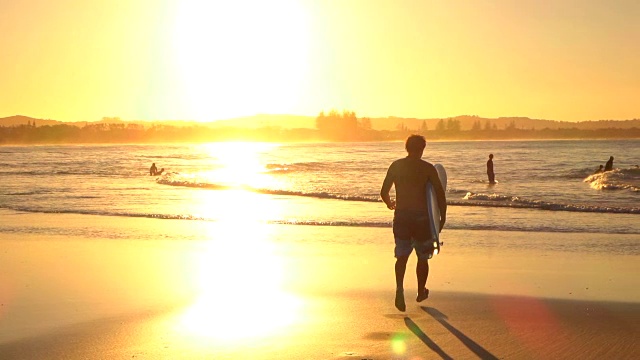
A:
(411, 231)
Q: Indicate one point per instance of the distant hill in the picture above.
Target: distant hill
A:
(392, 122)
(467, 122)
(250, 122)
(24, 120)
(17, 120)
(308, 122)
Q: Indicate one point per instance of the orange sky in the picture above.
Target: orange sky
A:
(78, 60)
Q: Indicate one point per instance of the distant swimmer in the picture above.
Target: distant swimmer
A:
(153, 170)
(160, 172)
(609, 165)
(600, 169)
(490, 174)
(410, 176)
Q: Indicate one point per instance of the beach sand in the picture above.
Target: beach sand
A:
(301, 292)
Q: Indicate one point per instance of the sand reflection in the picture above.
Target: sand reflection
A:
(240, 276)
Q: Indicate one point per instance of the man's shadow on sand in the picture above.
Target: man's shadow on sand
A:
(442, 319)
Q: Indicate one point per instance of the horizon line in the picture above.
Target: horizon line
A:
(314, 116)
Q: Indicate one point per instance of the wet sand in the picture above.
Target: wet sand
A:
(308, 292)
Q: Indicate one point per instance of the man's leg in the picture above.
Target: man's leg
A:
(401, 267)
(422, 272)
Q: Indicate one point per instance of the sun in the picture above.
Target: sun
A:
(241, 57)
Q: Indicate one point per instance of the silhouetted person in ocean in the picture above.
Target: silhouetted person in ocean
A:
(490, 174)
(411, 229)
(600, 169)
(153, 170)
(609, 165)
(160, 172)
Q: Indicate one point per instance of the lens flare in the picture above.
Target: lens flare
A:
(398, 344)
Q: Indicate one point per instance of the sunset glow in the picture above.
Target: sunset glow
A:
(206, 60)
(246, 179)
(241, 57)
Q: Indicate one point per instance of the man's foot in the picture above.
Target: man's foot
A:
(400, 300)
(422, 294)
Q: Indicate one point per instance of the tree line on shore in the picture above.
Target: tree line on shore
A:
(331, 126)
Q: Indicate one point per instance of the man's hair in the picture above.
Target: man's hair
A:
(415, 143)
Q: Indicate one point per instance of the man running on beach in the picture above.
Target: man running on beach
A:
(411, 227)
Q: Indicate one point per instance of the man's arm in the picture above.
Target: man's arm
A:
(384, 191)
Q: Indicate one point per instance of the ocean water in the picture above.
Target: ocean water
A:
(543, 186)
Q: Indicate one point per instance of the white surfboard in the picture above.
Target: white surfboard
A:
(433, 208)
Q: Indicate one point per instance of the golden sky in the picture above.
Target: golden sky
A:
(76, 60)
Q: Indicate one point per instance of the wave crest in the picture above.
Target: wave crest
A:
(617, 179)
(494, 200)
(469, 198)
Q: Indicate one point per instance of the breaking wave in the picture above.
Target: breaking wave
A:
(455, 197)
(494, 200)
(617, 179)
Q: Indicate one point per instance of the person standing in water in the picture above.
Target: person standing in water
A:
(609, 165)
(411, 230)
(153, 170)
(490, 174)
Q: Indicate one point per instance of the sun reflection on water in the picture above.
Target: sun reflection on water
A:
(240, 164)
(240, 271)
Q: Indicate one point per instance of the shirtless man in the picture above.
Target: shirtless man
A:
(490, 174)
(410, 226)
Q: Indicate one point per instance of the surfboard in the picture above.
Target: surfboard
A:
(433, 208)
